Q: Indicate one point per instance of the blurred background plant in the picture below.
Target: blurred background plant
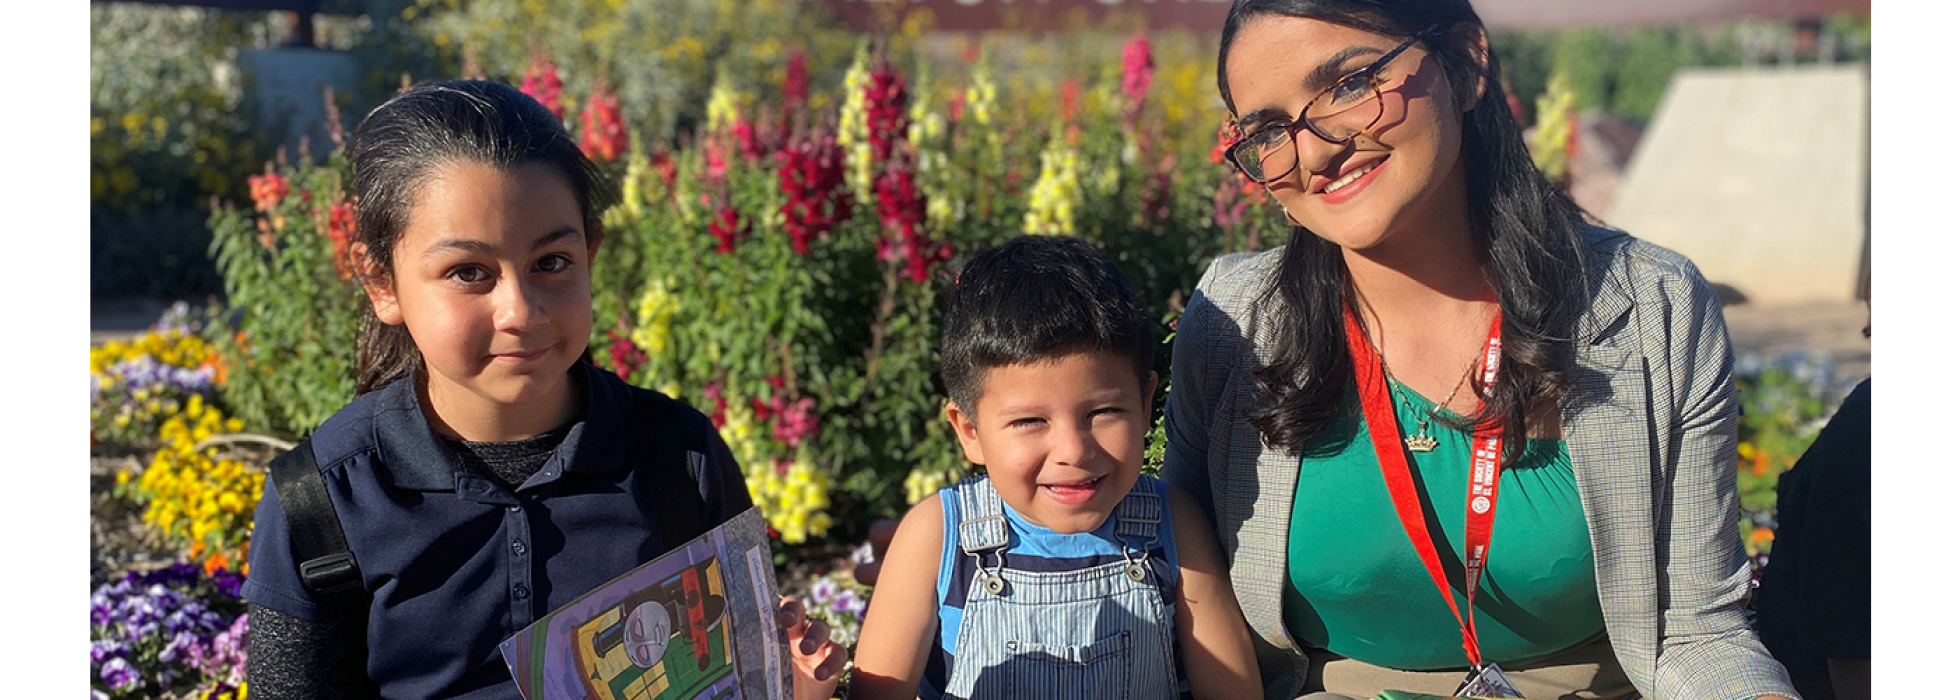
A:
(197, 498)
(1786, 399)
(171, 632)
(135, 384)
(289, 330)
(168, 128)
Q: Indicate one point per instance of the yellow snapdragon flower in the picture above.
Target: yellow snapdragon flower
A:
(1052, 199)
(653, 319)
(793, 497)
(853, 131)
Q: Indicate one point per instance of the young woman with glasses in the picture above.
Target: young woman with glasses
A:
(1452, 429)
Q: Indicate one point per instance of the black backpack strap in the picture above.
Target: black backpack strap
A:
(674, 450)
(326, 565)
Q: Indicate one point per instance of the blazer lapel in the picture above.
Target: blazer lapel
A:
(1611, 436)
(1272, 521)
(1260, 510)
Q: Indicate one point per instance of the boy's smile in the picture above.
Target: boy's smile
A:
(1062, 439)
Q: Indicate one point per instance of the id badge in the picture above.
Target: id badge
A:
(1488, 682)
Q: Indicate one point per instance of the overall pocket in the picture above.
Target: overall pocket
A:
(1098, 670)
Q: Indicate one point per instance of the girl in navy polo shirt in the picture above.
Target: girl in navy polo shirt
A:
(486, 473)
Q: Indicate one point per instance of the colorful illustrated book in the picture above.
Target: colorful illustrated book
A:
(695, 624)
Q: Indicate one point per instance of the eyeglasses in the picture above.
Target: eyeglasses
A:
(1350, 106)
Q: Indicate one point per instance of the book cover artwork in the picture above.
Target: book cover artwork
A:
(695, 624)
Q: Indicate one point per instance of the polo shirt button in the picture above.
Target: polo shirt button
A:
(520, 592)
(517, 548)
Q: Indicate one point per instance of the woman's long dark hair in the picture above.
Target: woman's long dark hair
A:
(397, 146)
(1527, 229)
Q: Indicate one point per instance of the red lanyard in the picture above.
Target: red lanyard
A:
(1480, 508)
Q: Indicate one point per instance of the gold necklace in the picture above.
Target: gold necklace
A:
(1421, 441)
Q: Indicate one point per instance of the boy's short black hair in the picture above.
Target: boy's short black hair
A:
(1037, 298)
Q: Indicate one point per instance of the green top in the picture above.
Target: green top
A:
(1355, 585)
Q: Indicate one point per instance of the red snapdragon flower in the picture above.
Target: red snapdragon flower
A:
(542, 84)
(796, 80)
(1071, 98)
(602, 133)
(746, 143)
(340, 230)
(1226, 133)
(267, 190)
(664, 166)
(712, 390)
(795, 422)
(1157, 195)
(884, 110)
(812, 180)
(626, 356)
(715, 153)
(728, 228)
(1137, 70)
(902, 213)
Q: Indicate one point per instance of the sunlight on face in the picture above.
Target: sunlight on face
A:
(1063, 439)
(492, 276)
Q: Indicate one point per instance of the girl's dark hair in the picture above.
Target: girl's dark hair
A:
(430, 126)
(1529, 232)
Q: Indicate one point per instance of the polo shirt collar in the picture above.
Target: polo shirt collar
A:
(414, 457)
(597, 443)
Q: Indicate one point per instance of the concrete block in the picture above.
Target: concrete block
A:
(1761, 176)
(287, 87)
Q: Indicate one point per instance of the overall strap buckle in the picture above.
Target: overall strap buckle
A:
(1137, 518)
(983, 528)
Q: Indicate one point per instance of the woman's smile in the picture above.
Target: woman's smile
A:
(1354, 177)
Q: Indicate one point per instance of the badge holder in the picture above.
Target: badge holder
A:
(1487, 682)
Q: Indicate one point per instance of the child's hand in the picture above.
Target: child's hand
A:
(818, 660)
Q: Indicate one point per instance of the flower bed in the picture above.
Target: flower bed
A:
(781, 270)
(171, 631)
(1785, 400)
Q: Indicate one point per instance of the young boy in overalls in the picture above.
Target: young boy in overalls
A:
(1063, 572)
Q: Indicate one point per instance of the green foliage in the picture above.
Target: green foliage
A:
(1644, 66)
(1525, 58)
(289, 328)
(1786, 402)
(390, 43)
(1587, 59)
(821, 366)
(1782, 413)
(1626, 71)
(167, 119)
(168, 128)
(1853, 33)
(866, 356)
(661, 56)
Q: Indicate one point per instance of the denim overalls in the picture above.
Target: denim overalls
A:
(1097, 631)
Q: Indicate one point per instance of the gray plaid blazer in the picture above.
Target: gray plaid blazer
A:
(1650, 424)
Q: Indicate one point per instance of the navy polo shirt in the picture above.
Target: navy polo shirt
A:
(455, 562)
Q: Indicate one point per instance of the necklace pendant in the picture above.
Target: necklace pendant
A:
(1421, 442)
